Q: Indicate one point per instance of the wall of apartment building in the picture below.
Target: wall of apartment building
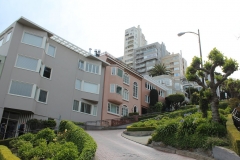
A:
(146, 88)
(2, 60)
(60, 87)
(116, 98)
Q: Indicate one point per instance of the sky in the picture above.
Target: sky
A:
(101, 24)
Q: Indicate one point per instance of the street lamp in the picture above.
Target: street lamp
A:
(199, 41)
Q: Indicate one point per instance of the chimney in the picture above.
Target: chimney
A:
(90, 49)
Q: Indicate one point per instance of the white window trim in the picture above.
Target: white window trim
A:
(124, 106)
(136, 109)
(116, 85)
(147, 98)
(137, 91)
(80, 105)
(9, 37)
(38, 65)
(84, 64)
(38, 94)
(33, 90)
(43, 41)
(112, 112)
(123, 94)
(47, 50)
(114, 68)
(128, 79)
(82, 84)
(42, 70)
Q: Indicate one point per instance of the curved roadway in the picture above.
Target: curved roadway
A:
(112, 146)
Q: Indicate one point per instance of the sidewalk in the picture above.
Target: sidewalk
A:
(142, 140)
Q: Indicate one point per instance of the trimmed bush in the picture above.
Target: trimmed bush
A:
(134, 113)
(223, 104)
(84, 142)
(215, 141)
(129, 128)
(6, 154)
(233, 135)
(6, 142)
(211, 129)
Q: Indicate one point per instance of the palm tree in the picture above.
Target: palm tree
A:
(159, 69)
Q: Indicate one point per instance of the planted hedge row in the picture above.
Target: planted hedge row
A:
(84, 142)
(129, 128)
(233, 135)
(6, 154)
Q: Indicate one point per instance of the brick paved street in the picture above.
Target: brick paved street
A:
(112, 146)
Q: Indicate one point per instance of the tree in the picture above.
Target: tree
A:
(190, 91)
(233, 87)
(196, 73)
(175, 100)
(153, 97)
(159, 69)
(195, 98)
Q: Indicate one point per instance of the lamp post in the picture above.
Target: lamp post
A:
(199, 41)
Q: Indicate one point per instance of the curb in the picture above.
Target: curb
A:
(125, 136)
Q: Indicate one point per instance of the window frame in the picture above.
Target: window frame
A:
(125, 91)
(82, 87)
(125, 75)
(38, 95)
(80, 109)
(38, 63)
(78, 105)
(135, 87)
(34, 34)
(54, 50)
(32, 92)
(147, 98)
(117, 109)
(82, 62)
(93, 108)
(8, 37)
(80, 84)
(95, 66)
(119, 87)
(43, 69)
(124, 107)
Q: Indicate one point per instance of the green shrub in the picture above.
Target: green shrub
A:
(79, 123)
(215, 141)
(223, 105)
(129, 128)
(228, 110)
(49, 123)
(6, 154)
(84, 142)
(67, 151)
(6, 142)
(146, 117)
(187, 126)
(25, 151)
(187, 107)
(27, 137)
(47, 134)
(211, 129)
(233, 135)
(133, 114)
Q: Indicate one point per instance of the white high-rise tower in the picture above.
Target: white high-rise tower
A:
(133, 38)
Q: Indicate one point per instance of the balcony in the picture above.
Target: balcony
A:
(150, 56)
(115, 98)
(140, 66)
(141, 70)
(139, 61)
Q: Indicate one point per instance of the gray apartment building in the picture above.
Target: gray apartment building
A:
(145, 57)
(46, 77)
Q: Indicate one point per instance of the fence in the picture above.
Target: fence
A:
(235, 117)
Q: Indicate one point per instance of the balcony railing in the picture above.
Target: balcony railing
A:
(140, 66)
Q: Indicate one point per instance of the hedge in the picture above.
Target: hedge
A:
(6, 154)
(147, 117)
(129, 128)
(84, 142)
(233, 135)
(5, 142)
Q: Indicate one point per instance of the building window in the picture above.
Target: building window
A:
(81, 64)
(177, 68)
(92, 68)
(112, 88)
(8, 36)
(86, 108)
(161, 93)
(175, 63)
(125, 94)
(90, 87)
(177, 86)
(119, 90)
(27, 63)
(113, 71)
(1, 42)
(75, 105)
(135, 109)
(176, 74)
(42, 96)
(124, 110)
(113, 108)
(125, 78)
(120, 73)
(78, 84)
(21, 88)
(147, 99)
(32, 39)
(135, 90)
(47, 72)
(51, 51)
